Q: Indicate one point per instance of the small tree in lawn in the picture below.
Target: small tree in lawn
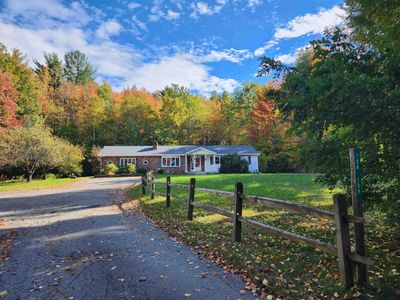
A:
(30, 148)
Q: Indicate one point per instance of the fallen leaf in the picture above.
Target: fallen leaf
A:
(3, 293)
(141, 279)
(187, 295)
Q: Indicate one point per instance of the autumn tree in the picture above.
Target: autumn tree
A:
(8, 102)
(25, 82)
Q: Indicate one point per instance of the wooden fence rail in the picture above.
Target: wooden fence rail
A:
(342, 249)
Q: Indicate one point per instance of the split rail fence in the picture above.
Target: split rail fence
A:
(346, 258)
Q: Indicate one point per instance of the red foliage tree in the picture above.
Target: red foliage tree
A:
(8, 102)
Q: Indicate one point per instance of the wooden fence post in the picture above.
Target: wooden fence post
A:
(143, 185)
(168, 196)
(237, 224)
(343, 240)
(192, 188)
(153, 187)
(356, 196)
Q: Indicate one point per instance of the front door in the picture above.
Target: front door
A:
(197, 163)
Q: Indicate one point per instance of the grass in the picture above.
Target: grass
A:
(276, 265)
(21, 185)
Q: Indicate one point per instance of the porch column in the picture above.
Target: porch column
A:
(186, 164)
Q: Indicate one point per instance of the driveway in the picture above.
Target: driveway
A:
(74, 243)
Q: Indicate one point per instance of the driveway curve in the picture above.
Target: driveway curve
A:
(74, 243)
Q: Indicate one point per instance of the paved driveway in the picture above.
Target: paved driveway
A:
(74, 243)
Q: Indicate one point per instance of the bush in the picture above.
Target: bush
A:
(122, 170)
(131, 168)
(141, 171)
(110, 169)
(233, 164)
(160, 171)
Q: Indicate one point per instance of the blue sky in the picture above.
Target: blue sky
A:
(203, 45)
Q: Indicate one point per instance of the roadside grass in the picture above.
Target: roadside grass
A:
(21, 185)
(279, 267)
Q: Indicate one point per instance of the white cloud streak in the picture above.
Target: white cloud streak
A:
(311, 23)
(305, 25)
(108, 28)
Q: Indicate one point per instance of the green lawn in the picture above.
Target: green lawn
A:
(20, 185)
(287, 269)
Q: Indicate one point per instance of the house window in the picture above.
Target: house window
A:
(123, 162)
(109, 162)
(217, 160)
(249, 159)
(211, 160)
(171, 161)
(145, 162)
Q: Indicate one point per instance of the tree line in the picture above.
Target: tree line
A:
(61, 97)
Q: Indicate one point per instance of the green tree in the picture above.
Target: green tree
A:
(77, 68)
(376, 23)
(54, 66)
(174, 113)
(341, 95)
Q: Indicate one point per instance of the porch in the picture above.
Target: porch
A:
(202, 162)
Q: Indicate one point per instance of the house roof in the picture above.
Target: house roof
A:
(171, 150)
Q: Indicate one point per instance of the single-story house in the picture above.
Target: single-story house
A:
(177, 159)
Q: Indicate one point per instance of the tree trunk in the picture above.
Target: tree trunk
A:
(29, 177)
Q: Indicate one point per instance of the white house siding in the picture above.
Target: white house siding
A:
(253, 166)
(211, 168)
(253, 163)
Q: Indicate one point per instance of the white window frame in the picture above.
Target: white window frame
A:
(145, 162)
(217, 157)
(124, 161)
(166, 161)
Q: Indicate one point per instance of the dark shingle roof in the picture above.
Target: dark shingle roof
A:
(179, 150)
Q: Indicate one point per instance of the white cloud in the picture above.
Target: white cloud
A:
(312, 23)
(290, 58)
(172, 15)
(183, 70)
(47, 12)
(303, 25)
(134, 5)
(287, 58)
(231, 55)
(108, 28)
(253, 3)
(156, 11)
(260, 51)
(202, 8)
(138, 25)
